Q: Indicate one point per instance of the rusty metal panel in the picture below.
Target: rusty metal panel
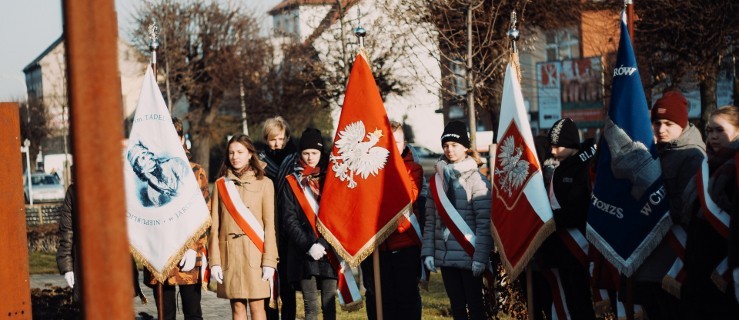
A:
(15, 291)
(96, 116)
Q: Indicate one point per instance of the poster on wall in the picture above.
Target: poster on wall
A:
(549, 92)
(582, 91)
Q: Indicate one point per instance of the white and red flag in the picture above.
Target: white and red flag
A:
(165, 208)
(521, 214)
(367, 187)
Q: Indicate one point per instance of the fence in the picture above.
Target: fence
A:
(43, 214)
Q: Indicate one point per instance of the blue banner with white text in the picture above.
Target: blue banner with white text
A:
(628, 214)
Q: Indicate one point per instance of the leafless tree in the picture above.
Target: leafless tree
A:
(336, 45)
(676, 40)
(443, 24)
(295, 89)
(206, 49)
(34, 121)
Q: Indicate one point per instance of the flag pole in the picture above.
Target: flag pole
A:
(514, 35)
(153, 46)
(629, 6)
(360, 32)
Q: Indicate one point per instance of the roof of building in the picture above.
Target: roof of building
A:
(35, 62)
(330, 18)
(288, 4)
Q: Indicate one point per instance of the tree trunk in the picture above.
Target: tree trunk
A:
(201, 150)
(708, 95)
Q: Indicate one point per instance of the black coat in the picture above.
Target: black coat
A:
(571, 184)
(300, 238)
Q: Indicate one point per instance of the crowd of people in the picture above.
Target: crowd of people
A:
(264, 205)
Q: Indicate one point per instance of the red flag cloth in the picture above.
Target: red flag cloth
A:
(367, 187)
(521, 214)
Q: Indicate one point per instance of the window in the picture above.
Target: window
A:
(562, 44)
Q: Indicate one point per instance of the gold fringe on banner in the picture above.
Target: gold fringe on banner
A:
(367, 249)
(173, 260)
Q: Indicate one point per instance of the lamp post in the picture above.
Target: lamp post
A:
(26, 148)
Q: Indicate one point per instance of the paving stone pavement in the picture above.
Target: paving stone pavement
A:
(213, 307)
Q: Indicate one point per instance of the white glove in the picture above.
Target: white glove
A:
(267, 273)
(429, 263)
(736, 283)
(187, 262)
(477, 268)
(217, 273)
(69, 276)
(317, 251)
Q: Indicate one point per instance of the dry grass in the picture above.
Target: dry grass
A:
(435, 304)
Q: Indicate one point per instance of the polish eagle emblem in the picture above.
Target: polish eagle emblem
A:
(357, 156)
(513, 171)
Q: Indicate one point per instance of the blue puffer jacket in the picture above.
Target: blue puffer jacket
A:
(472, 200)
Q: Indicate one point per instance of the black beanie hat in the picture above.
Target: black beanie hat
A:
(564, 133)
(311, 139)
(456, 131)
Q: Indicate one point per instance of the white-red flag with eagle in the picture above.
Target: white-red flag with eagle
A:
(521, 214)
(367, 187)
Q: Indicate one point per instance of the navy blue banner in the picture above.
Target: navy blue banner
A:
(628, 214)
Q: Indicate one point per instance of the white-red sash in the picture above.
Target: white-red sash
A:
(455, 223)
(672, 282)
(349, 296)
(718, 218)
(410, 218)
(559, 301)
(579, 246)
(240, 213)
(721, 276)
(248, 223)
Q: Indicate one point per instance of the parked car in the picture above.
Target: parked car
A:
(46, 188)
(426, 158)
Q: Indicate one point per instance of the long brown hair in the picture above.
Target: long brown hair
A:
(254, 163)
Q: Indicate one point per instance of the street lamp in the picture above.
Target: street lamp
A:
(27, 149)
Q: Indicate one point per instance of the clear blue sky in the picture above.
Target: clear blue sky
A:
(28, 27)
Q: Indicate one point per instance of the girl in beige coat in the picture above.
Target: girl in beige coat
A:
(241, 269)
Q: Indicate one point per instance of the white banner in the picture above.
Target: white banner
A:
(165, 207)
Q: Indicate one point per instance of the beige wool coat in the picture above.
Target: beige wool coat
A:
(239, 258)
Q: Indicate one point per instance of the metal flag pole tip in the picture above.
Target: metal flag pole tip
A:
(153, 42)
(359, 31)
(513, 32)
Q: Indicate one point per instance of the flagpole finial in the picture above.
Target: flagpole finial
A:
(513, 32)
(153, 41)
(359, 31)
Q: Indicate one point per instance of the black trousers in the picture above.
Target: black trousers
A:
(657, 303)
(190, 294)
(311, 295)
(465, 293)
(399, 273)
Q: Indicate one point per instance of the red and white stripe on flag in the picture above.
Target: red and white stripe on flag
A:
(521, 214)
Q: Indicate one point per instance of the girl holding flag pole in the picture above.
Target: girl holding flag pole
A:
(242, 242)
(457, 229)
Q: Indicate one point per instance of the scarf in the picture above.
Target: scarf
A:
(451, 172)
(309, 176)
(239, 173)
